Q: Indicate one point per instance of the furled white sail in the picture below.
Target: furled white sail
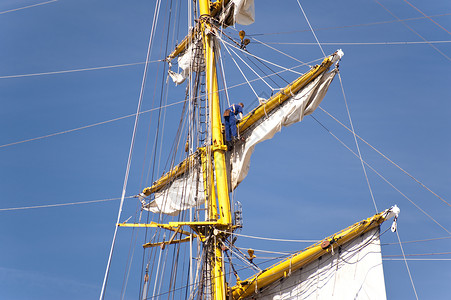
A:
(181, 193)
(291, 111)
(191, 59)
(244, 12)
(353, 271)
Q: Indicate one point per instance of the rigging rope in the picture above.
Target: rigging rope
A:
(272, 239)
(60, 204)
(267, 61)
(382, 177)
(245, 78)
(356, 143)
(90, 125)
(350, 26)
(388, 159)
(407, 265)
(311, 29)
(29, 6)
(78, 70)
(149, 48)
(427, 17)
(411, 29)
(417, 241)
(252, 70)
(364, 44)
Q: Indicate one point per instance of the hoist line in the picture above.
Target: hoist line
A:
(29, 6)
(411, 29)
(311, 28)
(388, 159)
(149, 48)
(252, 70)
(267, 61)
(356, 142)
(407, 265)
(275, 49)
(241, 71)
(382, 177)
(428, 17)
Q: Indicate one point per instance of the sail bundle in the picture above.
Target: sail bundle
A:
(291, 111)
(178, 190)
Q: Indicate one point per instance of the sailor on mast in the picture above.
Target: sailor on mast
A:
(230, 120)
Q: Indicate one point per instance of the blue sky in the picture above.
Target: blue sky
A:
(304, 181)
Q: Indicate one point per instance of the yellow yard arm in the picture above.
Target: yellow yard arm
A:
(285, 94)
(247, 287)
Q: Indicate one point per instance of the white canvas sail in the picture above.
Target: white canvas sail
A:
(292, 111)
(181, 193)
(353, 271)
(244, 12)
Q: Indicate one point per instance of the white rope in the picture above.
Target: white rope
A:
(29, 6)
(77, 70)
(277, 50)
(350, 26)
(144, 111)
(245, 78)
(388, 159)
(419, 259)
(88, 126)
(262, 59)
(149, 48)
(311, 29)
(59, 204)
(243, 258)
(266, 251)
(407, 265)
(383, 178)
(357, 144)
(359, 43)
(272, 239)
(252, 70)
(411, 29)
(223, 76)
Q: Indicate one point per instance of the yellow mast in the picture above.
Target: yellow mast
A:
(218, 148)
